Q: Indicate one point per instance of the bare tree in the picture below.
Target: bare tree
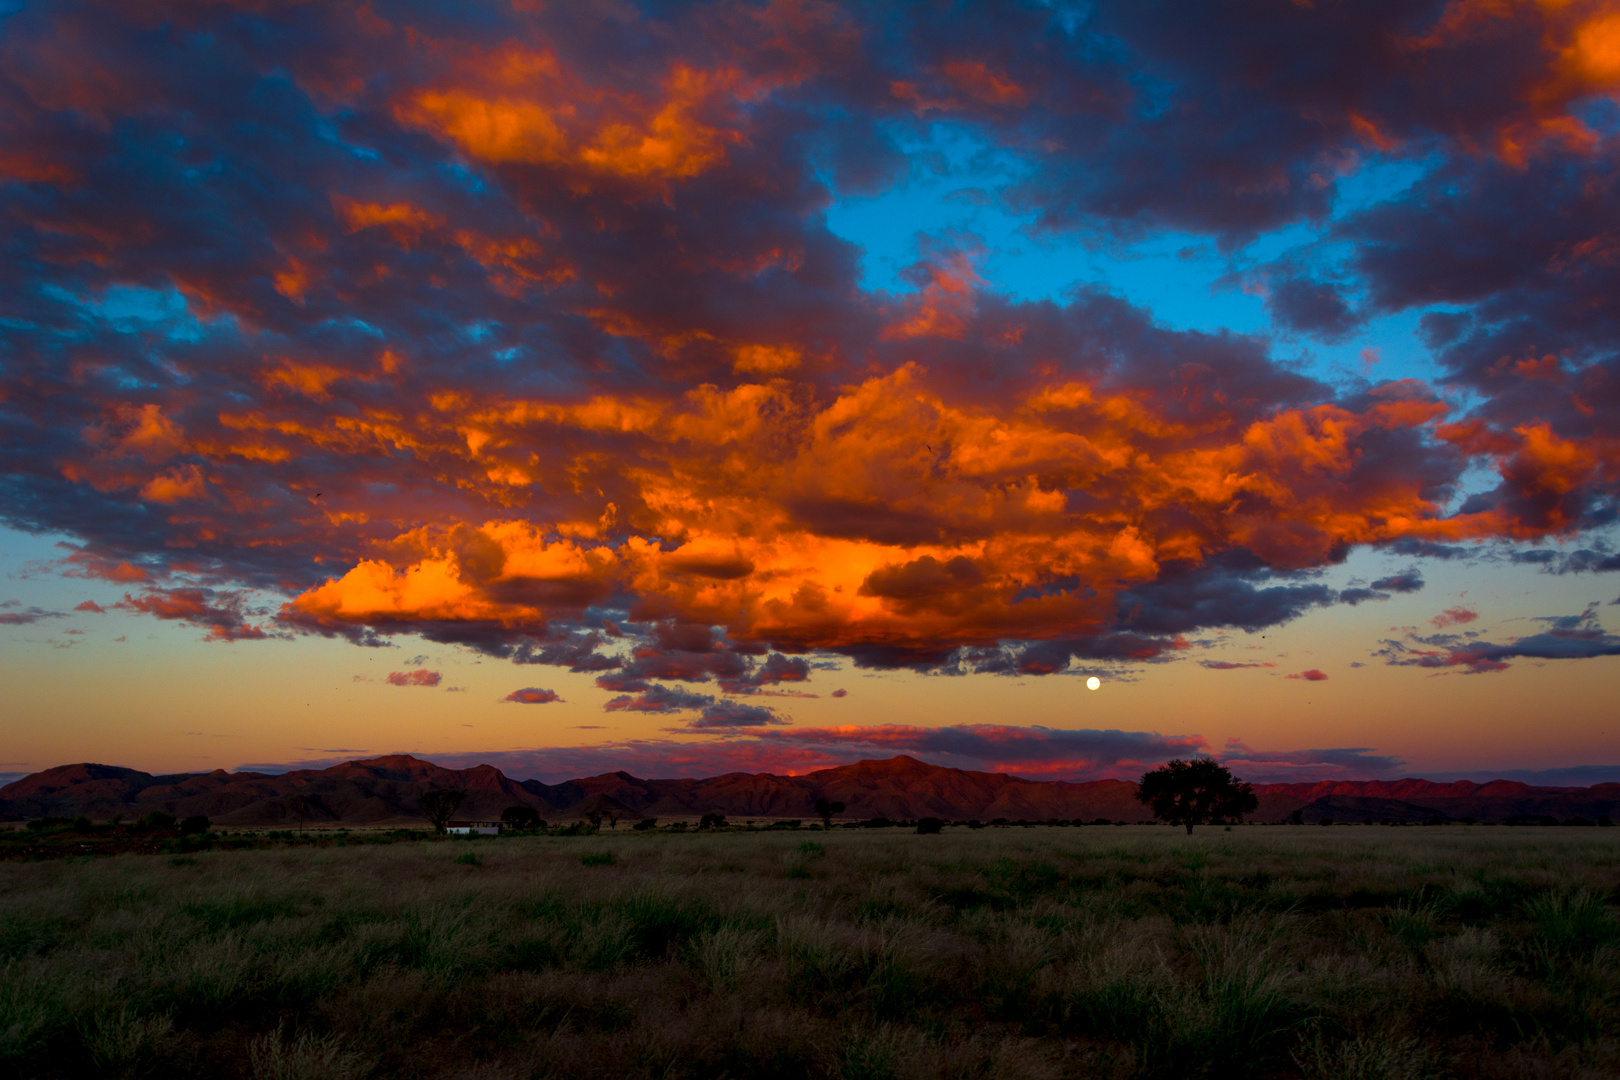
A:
(440, 804)
(826, 810)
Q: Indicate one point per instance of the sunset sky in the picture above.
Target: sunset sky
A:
(682, 388)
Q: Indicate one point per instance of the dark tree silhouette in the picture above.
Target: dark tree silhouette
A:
(1194, 792)
(521, 817)
(712, 821)
(826, 810)
(302, 807)
(438, 805)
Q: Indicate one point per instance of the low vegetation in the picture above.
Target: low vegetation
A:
(856, 954)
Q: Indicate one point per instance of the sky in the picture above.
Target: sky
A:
(693, 387)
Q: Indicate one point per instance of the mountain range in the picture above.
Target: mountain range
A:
(388, 791)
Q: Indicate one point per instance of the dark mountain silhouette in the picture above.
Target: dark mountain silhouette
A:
(388, 790)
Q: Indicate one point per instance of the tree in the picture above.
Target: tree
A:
(712, 821)
(1194, 792)
(158, 821)
(302, 807)
(439, 804)
(521, 817)
(826, 810)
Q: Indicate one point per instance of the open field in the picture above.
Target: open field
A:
(1352, 953)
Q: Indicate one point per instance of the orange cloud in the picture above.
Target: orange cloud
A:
(895, 516)
(402, 221)
(522, 106)
(1580, 50)
(174, 485)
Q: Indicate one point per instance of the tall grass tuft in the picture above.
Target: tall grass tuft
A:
(307, 1057)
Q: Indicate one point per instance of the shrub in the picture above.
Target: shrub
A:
(712, 821)
(645, 823)
(523, 818)
(196, 823)
(929, 826)
(596, 858)
(469, 859)
(158, 821)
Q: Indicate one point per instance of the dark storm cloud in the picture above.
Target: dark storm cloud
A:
(1407, 581)
(1284, 766)
(659, 699)
(1187, 598)
(1311, 307)
(726, 715)
(1568, 637)
(1581, 561)
(27, 616)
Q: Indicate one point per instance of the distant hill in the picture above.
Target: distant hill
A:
(388, 790)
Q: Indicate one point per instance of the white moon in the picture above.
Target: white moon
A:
(1093, 682)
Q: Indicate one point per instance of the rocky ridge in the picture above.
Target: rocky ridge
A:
(388, 790)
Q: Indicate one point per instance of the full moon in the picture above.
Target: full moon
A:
(1093, 682)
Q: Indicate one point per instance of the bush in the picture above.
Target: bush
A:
(196, 823)
(928, 826)
(645, 823)
(712, 821)
(158, 821)
(522, 818)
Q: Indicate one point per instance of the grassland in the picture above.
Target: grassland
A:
(1353, 953)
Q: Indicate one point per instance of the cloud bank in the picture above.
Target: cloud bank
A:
(527, 332)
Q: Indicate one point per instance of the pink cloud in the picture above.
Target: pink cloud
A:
(1312, 675)
(419, 677)
(1456, 616)
(532, 695)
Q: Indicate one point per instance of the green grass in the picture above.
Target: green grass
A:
(1321, 954)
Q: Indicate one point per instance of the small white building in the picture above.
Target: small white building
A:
(474, 828)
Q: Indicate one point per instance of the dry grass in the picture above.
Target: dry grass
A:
(1338, 954)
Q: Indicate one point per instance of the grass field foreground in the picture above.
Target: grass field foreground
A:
(1344, 953)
